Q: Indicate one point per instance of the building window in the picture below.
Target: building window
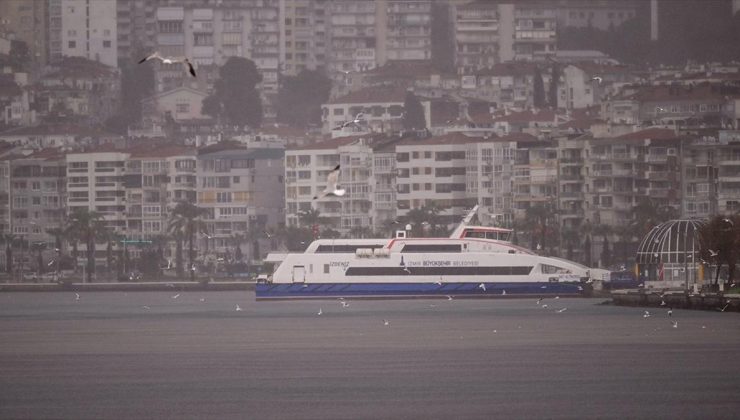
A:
(72, 44)
(182, 108)
(106, 44)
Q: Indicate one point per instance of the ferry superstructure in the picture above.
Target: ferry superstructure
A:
(473, 261)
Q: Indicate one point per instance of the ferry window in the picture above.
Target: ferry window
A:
(491, 235)
(326, 268)
(551, 269)
(471, 234)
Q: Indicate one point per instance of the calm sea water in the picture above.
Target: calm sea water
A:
(192, 355)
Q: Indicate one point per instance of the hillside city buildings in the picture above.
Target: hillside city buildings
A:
(617, 137)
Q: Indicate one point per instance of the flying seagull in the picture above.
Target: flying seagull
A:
(171, 60)
(386, 323)
(331, 185)
(670, 312)
(646, 314)
(560, 311)
(482, 286)
(449, 297)
(723, 308)
(675, 324)
(597, 79)
(77, 296)
(238, 308)
(713, 253)
(320, 312)
(176, 296)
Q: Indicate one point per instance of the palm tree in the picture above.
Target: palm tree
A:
(647, 214)
(719, 241)
(9, 238)
(536, 218)
(87, 226)
(187, 219)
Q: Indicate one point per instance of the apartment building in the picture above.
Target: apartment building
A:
(28, 20)
(242, 190)
(210, 35)
(156, 178)
(136, 29)
(580, 89)
(476, 36)
(36, 201)
(433, 171)
(382, 109)
(80, 89)
(599, 14)
(404, 30)
(306, 169)
(534, 31)
(89, 30)
(352, 36)
(689, 105)
(711, 175)
(507, 85)
(305, 35)
(95, 182)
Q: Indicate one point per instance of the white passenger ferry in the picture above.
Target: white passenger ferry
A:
(473, 261)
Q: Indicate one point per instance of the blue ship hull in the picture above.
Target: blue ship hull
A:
(413, 290)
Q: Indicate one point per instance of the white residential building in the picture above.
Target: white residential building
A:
(89, 30)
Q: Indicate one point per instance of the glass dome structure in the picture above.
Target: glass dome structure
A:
(670, 253)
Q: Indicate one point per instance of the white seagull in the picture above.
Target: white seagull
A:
(482, 286)
(646, 314)
(331, 185)
(238, 308)
(320, 312)
(449, 297)
(713, 253)
(670, 312)
(77, 296)
(176, 296)
(171, 60)
(503, 292)
(344, 304)
(386, 323)
(675, 324)
(723, 308)
(560, 311)
(597, 79)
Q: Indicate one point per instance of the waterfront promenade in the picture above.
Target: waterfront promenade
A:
(193, 355)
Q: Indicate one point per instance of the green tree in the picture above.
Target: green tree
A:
(539, 90)
(300, 98)
(87, 226)
(552, 94)
(9, 239)
(186, 218)
(442, 37)
(413, 117)
(648, 214)
(719, 241)
(235, 94)
(20, 55)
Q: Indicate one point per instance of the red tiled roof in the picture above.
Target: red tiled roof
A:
(404, 69)
(443, 112)
(654, 133)
(163, 151)
(49, 153)
(328, 144)
(284, 131)
(449, 138)
(57, 129)
(78, 67)
(510, 68)
(517, 137)
(528, 115)
(676, 93)
(380, 94)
